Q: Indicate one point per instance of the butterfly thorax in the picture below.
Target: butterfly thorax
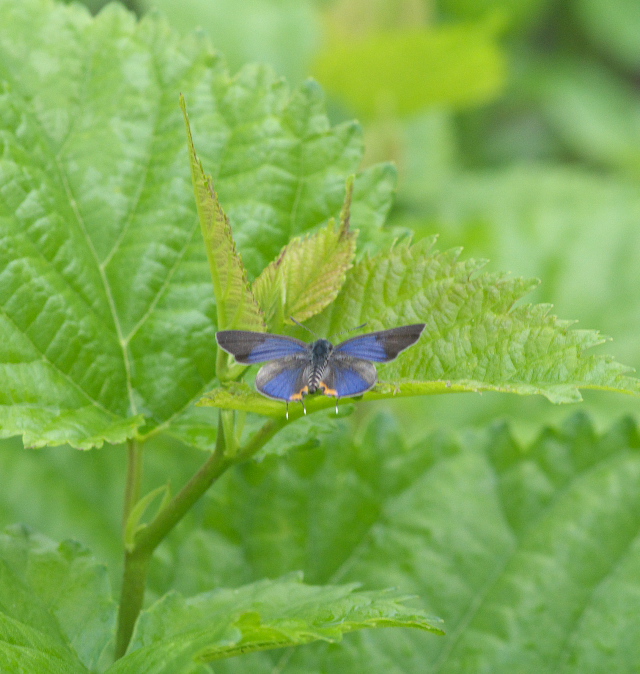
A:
(320, 352)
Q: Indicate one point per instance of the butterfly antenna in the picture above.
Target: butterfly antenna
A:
(305, 327)
(344, 332)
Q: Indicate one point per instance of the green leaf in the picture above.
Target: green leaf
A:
(237, 308)
(108, 312)
(405, 71)
(458, 519)
(261, 616)
(476, 337)
(529, 553)
(308, 274)
(55, 605)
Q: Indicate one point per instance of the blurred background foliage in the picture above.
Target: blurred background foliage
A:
(515, 127)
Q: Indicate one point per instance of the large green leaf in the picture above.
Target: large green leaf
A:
(528, 553)
(476, 335)
(25, 650)
(57, 615)
(108, 314)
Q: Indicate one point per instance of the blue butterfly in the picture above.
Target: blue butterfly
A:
(295, 369)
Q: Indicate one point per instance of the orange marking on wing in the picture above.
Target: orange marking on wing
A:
(328, 391)
(300, 394)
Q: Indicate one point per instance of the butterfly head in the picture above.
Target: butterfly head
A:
(321, 350)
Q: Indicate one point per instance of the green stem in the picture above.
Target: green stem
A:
(136, 561)
(134, 479)
(260, 439)
(134, 580)
(152, 535)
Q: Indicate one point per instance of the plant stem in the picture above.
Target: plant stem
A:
(260, 439)
(152, 535)
(134, 479)
(147, 539)
(134, 580)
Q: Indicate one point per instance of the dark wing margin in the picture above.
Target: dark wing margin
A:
(381, 346)
(257, 347)
(285, 379)
(346, 376)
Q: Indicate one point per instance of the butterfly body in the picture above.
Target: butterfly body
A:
(320, 353)
(295, 369)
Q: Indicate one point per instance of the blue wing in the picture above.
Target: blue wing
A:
(381, 346)
(346, 376)
(286, 378)
(258, 347)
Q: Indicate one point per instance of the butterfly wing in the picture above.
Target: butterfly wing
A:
(381, 346)
(285, 378)
(346, 376)
(257, 347)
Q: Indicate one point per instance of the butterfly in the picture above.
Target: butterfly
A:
(295, 369)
